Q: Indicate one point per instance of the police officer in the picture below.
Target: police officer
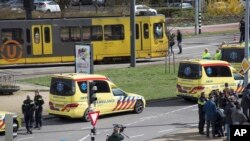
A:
(201, 102)
(39, 108)
(116, 135)
(28, 108)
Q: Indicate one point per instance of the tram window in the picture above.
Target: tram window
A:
(70, 34)
(12, 34)
(96, 33)
(114, 32)
(36, 35)
(28, 35)
(137, 31)
(47, 34)
(86, 35)
(158, 30)
(146, 31)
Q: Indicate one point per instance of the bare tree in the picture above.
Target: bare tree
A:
(63, 4)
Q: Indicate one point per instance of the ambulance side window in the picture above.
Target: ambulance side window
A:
(118, 92)
(83, 86)
(102, 86)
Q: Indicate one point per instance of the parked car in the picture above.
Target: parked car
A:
(36, 2)
(144, 10)
(82, 2)
(99, 2)
(183, 5)
(48, 6)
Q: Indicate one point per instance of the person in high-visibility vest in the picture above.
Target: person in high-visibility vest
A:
(217, 55)
(206, 54)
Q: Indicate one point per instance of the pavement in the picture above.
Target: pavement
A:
(12, 103)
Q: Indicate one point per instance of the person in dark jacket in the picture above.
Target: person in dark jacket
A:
(116, 135)
(28, 108)
(220, 122)
(210, 114)
(171, 43)
(242, 30)
(245, 102)
(39, 109)
(201, 102)
(229, 109)
(179, 41)
(238, 118)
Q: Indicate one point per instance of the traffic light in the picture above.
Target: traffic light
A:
(92, 93)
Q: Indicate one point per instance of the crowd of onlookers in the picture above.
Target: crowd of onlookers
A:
(222, 109)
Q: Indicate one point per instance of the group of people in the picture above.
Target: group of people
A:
(30, 107)
(206, 55)
(221, 110)
(171, 39)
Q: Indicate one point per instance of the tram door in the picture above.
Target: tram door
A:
(41, 39)
(142, 36)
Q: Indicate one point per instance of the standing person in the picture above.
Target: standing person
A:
(230, 107)
(179, 40)
(242, 30)
(217, 55)
(210, 114)
(238, 118)
(172, 42)
(28, 108)
(206, 54)
(39, 108)
(245, 102)
(201, 102)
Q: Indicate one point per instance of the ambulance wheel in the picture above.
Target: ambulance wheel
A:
(86, 117)
(139, 106)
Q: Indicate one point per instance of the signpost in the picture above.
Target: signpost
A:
(93, 117)
(245, 65)
(84, 58)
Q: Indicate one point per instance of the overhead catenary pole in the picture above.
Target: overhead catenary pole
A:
(246, 39)
(132, 35)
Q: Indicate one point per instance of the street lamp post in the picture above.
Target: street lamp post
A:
(246, 39)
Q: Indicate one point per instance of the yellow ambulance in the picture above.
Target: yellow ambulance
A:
(16, 120)
(68, 96)
(197, 75)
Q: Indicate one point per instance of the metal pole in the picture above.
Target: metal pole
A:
(8, 127)
(196, 17)
(28, 14)
(246, 39)
(199, 7)
(132, 31)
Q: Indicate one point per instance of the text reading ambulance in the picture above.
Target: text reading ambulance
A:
(196, 76)
(68, 96)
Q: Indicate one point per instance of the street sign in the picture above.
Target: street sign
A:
(93, 117)
(245, 65)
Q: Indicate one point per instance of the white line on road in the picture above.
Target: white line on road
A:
(25, 138)
(84, 138)
(195, 109)
(165, 130)
(86, 128)
(136, 136)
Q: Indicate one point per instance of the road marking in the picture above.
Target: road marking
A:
(165, 130)
(86, 128)
(136, 136)
(84, 138)
(25, 138)
(195, 109)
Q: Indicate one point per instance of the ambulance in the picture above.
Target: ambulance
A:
(68, 96)
(197, 75)
(16, 121)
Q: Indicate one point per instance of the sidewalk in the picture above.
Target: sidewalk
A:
(187, 134)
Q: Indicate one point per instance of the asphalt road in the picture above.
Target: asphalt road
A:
(158, 119)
